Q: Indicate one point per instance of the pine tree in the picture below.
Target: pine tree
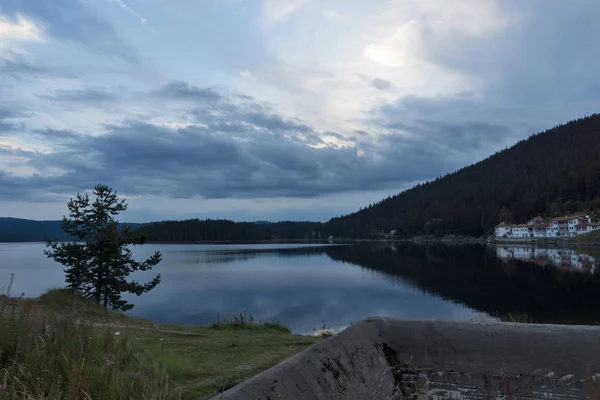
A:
(99, 262)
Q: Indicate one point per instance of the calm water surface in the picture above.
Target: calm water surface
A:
(304, 285)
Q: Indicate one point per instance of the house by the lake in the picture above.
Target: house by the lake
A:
(561, 227)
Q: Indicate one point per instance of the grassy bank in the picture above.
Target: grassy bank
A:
(590, 238)
(62, 346)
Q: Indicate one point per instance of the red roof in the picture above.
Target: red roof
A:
(536, 219)
(561, 219)
(523, 226)
(536, 226)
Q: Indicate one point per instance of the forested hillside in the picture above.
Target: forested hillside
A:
(192, 230)
(551, 173)
(197, 230)
(24, 230)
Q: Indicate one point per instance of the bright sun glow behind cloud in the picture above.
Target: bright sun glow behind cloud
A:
(13, 33)
(21, 29)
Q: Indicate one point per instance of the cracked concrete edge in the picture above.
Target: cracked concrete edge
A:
(364, 361)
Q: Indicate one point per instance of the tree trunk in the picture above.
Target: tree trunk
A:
(98, 293)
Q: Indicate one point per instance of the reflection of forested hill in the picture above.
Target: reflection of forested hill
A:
(473, 276)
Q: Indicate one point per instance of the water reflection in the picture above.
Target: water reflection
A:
(569, 259)
(476, 277)
(302, 286)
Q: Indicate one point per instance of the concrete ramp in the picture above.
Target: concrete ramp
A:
(381, 358)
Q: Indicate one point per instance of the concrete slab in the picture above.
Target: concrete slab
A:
(381, 358)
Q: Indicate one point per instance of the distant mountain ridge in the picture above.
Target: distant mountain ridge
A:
(190, 230)
(552, 173)
(27, 230)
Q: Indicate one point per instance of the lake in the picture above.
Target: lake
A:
(306, 286)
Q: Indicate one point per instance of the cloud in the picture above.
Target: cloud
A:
(402, 49)
(124, 6)
(334, 15)
(178, 90)
(57, 135)
(276, 11)
(8, 113)
(6, 117)
(91, 96)
(6, 126)
(14, 34)
(22, 29)
(382, 84)
(449, 128)
(20, 68)
(232, 149)
(72, 21)
(307, 106)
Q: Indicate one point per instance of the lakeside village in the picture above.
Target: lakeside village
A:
(538, 228)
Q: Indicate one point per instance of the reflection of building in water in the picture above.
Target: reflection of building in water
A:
(562, 258)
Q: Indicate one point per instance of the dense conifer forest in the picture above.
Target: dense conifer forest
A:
(191, 230)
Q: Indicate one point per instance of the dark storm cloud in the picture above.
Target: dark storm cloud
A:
(57, 135)
(183, 91)
(73, 21)
(7, 116)
(90, 96)
(9, 151)
(241, 150)
(6, 113)
(274, 122)
(6, 126)
(334, 135)
(381, 84)
(19, 68)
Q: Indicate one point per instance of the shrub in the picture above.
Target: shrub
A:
(245, 321)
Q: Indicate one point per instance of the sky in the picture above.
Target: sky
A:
(275, 109)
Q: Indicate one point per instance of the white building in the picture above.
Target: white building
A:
(540, 230)
(568, 226)
(503, 230)
(558, 227)
(522, 231)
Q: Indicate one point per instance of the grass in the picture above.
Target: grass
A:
(589, 237)
(516, 317)
(246, 322)
(65, 347)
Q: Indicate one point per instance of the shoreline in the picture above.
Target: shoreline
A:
(451, 240)
(191, 362)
